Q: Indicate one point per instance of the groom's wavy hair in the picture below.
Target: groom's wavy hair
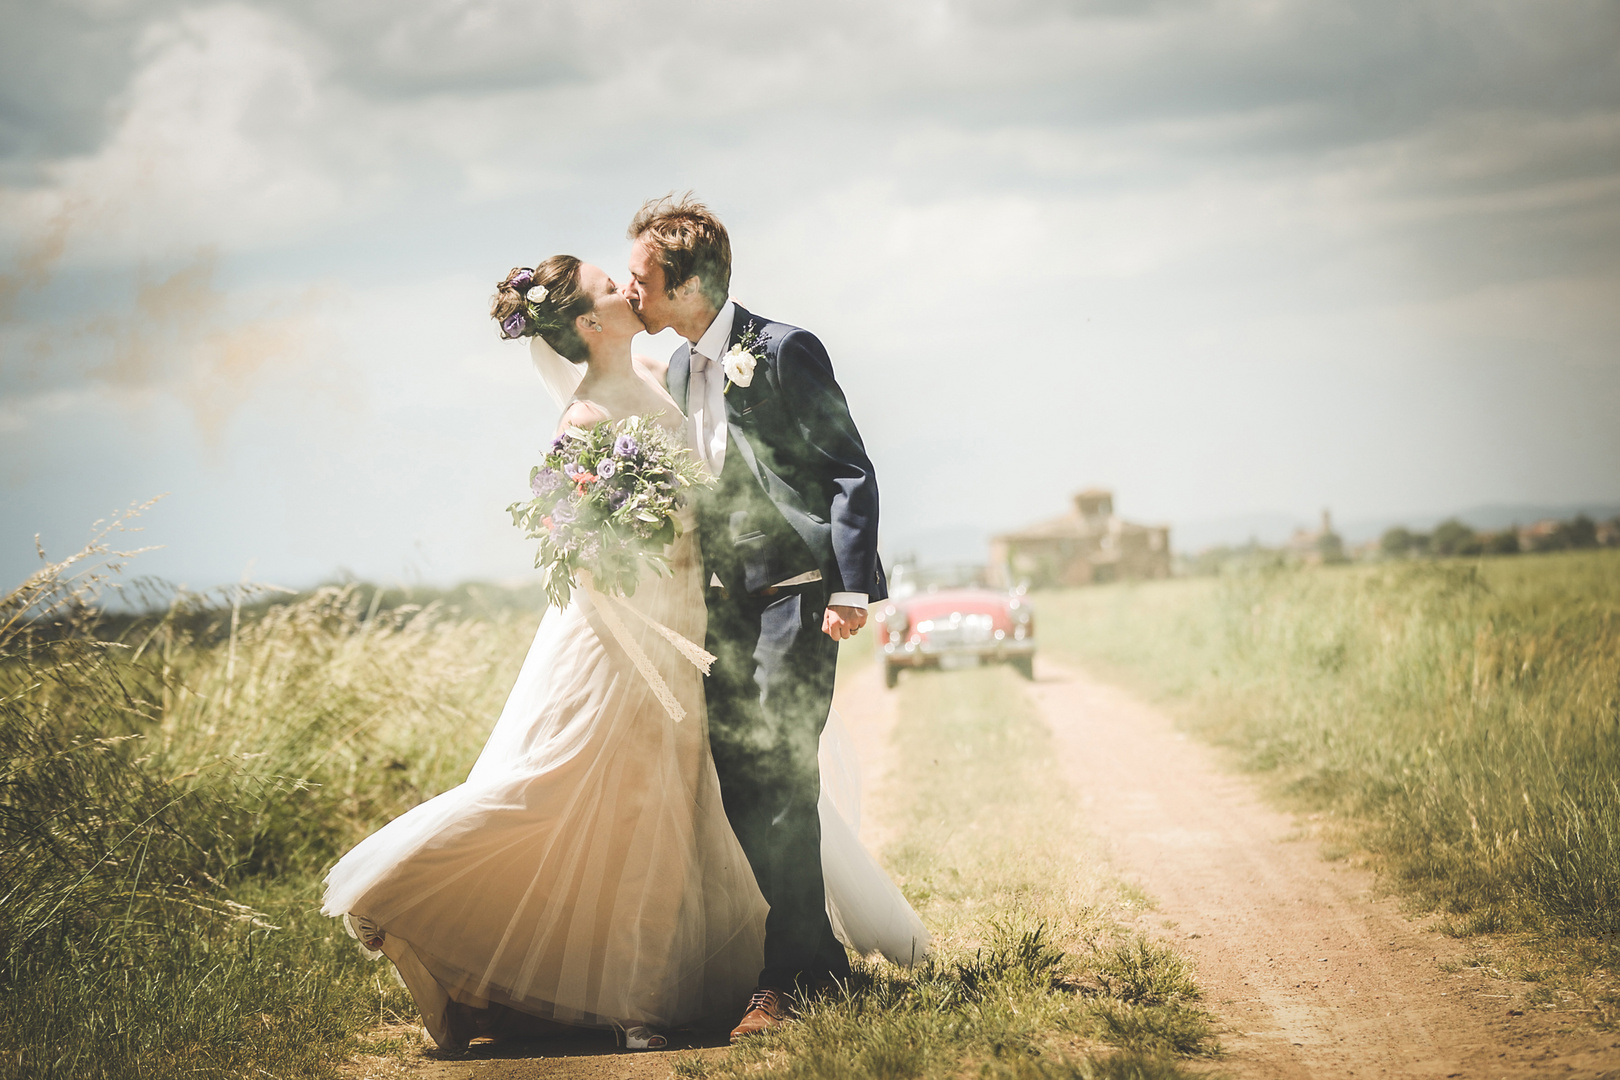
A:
(552, 318)
(687, 239)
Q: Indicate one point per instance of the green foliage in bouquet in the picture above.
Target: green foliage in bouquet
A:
(605, 501)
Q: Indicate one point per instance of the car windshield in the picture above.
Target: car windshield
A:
(908, 579)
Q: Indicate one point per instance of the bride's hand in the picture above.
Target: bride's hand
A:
(842, 622)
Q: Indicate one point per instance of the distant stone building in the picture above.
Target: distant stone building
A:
(1088, 545)
(1317, 546)
(1534, 537)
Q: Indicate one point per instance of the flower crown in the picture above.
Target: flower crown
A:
(517, 324)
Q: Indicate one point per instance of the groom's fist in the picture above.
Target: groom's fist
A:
(841, 622)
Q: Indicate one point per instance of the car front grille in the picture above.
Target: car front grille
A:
(957, 630)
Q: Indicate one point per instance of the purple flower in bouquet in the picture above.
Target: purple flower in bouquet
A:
(512, 325)
(604, 503)
(545, 482)
(521, 281)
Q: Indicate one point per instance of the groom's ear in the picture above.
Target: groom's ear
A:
(690, 285)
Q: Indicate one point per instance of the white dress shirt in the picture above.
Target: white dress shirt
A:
(707, 403)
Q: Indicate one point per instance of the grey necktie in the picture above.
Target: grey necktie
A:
(708, 411)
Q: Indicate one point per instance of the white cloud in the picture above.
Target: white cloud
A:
(1227, 255)
(219, 142)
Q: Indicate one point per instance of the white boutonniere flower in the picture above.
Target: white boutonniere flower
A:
(742, 358)
(739, 364)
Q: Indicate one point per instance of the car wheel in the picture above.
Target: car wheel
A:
(891, 675)
(1025, 666)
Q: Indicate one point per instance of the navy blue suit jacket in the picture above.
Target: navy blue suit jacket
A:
(791, 426)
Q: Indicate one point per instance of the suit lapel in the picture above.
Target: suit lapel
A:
(737, 397)
(739, 322)
(736, 400)
(737, 440)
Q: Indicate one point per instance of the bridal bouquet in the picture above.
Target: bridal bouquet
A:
(605, 501)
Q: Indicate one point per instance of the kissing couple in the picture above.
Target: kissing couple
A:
(603, 866)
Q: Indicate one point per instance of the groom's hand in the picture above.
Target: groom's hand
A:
(841, 622)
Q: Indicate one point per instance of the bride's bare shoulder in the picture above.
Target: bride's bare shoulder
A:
(656, 370)
(581, 414)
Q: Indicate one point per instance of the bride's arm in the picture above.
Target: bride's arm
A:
(580, 414)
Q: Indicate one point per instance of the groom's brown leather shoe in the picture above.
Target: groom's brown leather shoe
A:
(766, 1009)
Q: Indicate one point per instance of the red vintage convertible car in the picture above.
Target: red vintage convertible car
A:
(949, 619)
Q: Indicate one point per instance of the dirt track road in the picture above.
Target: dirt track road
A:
(1310, 974)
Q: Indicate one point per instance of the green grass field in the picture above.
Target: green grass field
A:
(175, 786)
(1459, 721)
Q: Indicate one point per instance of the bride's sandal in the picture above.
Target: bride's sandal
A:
(367, 933)
(639, 1037)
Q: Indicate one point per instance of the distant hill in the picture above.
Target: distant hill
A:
(1267, 529)
(934, 547)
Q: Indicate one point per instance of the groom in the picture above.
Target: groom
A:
(789, 538)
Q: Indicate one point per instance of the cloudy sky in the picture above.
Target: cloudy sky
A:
(1230, 257)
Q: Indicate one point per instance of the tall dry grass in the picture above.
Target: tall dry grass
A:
(172, 787)
(1463, 718)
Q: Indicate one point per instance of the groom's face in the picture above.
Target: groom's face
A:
(646, 290)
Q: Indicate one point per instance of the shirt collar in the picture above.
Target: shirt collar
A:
(713, 342)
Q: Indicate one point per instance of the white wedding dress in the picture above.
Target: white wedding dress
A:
(585, 872)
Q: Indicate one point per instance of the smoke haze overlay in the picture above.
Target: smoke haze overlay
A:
(1227, 258)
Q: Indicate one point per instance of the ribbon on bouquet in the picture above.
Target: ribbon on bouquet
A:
(609, 608)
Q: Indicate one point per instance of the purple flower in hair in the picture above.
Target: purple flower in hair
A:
(521, 281)
(512, 325)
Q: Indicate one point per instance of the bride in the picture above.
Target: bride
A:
(585, 873)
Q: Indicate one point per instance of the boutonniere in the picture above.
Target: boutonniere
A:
(741, 359)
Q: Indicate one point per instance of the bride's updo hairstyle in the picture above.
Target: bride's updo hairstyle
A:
(544, 301)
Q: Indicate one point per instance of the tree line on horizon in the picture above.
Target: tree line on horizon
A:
(1454, 537)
